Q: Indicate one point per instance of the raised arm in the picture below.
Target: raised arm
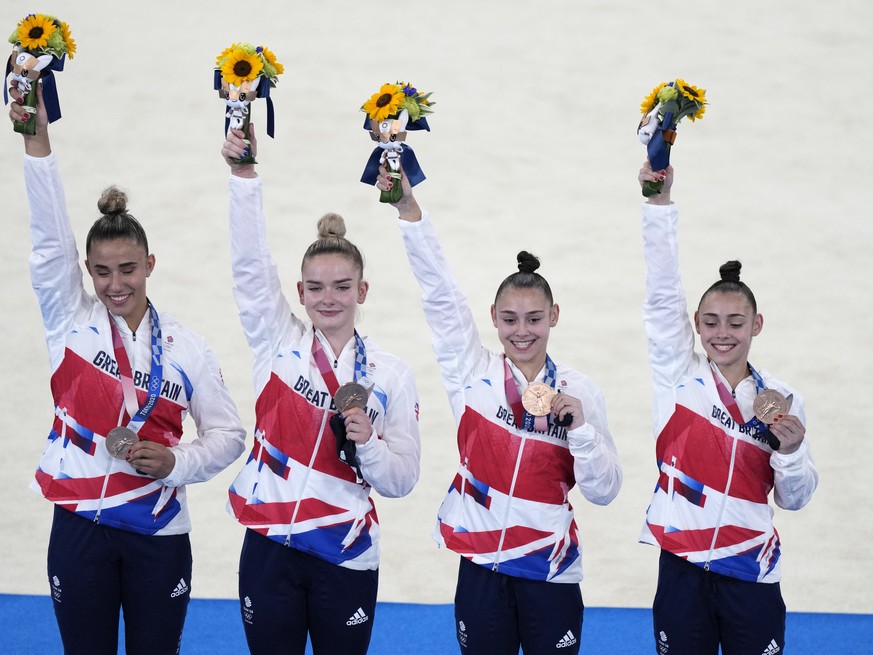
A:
(454, 335)
(665, 312)
(265, 314)
(54, 261)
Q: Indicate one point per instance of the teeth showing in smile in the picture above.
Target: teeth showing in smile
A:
(723, 347)
(119, 299)
(521, 345)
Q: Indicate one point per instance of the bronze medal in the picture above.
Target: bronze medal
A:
(350, 395)
(769, 404)
(537, 398)
(119, 440)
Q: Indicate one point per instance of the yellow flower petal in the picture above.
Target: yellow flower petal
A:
(35, 30)
(239, 66)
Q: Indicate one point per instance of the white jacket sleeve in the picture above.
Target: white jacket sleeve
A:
(454, 335)
(596, 465)
(665, 312)
(390, 463)
(264, 312)
(795, 477)
(220, 434)
(54, 260)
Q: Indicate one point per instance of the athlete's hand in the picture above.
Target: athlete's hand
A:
(37, 145)
(235, 147)
(407, 206)
(790, 432)
(358, 426)
(646, 174)
(151, 459)
(563, 404)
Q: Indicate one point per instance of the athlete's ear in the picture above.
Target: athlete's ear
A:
(697, 322)
(363, 287)
(553, 315)
(150, 265)
(494, 315)
(300, 291)
(757, 325)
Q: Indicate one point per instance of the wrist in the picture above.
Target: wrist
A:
(248, 171)
(660, 199)
(37, 146)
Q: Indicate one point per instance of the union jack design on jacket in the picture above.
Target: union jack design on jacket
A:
(710, 503)
(293, 488)
(76, 471)
(507, 507)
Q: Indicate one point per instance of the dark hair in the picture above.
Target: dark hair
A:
(332, 240)
(526, 277)
(730, 283)
(115, 222)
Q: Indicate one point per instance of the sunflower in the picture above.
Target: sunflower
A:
(385, 103)
(224, 53)
(35, 30)
(698, 114)
(68, 39)
(691, 92)
(649, 103)
(271, 59)
(241, 66)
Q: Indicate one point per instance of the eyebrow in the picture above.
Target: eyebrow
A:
(714, 315)
(122, 265)
(345, 280)
(510, 312)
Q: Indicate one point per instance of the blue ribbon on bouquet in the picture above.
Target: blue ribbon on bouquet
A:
(49, 87)
(407, 157)
(658, 149)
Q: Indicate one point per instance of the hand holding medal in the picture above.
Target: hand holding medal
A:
(539, 399)
(392, 111)
(350, 425)
(784, 431)
(41, 43)
(663, 108)
(244, 72)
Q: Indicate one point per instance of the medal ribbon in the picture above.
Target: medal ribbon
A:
(138, 415)
(730, 402)
(523, 418)
(326, 369)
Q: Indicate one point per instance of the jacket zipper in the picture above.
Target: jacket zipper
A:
(306, 478)
(727, 489)
(509, 504)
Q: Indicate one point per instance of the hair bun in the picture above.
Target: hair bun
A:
(730, 271)
(113, 202)
(527, 263)
(331, 225)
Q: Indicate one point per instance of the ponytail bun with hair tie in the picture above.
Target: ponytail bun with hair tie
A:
(527, 263)
(730, 271)
(113, 202)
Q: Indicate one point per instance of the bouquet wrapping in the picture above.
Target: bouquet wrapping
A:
(662, 109)
(242, 73)
(40, 45)
(391, 112)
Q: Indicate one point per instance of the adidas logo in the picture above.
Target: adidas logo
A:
(772, 648)
(567, 640)
(358, 617)
(180, 589)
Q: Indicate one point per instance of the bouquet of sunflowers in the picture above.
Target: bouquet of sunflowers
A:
(392, 111)
(244, 72)
(662, 109)
(40, 44)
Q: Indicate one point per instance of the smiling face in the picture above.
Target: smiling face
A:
(523, 318)
(726, 324)
(330, 292)
(119, 268)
